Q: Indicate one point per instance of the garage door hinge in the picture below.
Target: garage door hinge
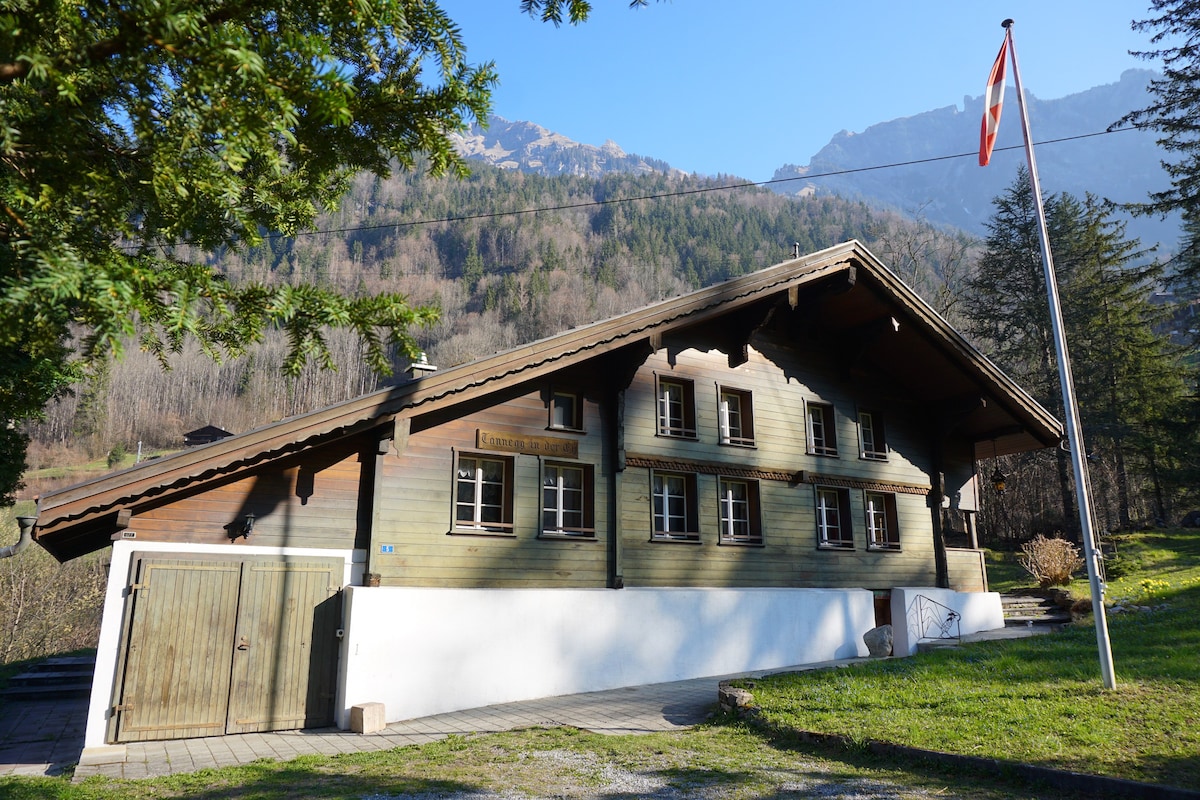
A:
(123, 707)
(134, 587)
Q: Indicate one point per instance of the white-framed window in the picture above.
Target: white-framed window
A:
(736, 416)
(483, 494)
(674, 506)
(870, 429)
(822, 431)
(567, 504)
(883, 530)
(740, 517)
(566, 410)
(676, 408)
(833, 518)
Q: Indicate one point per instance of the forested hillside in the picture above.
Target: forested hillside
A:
(501, 274)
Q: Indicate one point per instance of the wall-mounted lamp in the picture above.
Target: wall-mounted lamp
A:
(248, 525)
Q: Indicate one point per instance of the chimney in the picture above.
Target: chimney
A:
(420, 368)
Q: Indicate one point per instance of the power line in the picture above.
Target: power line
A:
(680, 193)
(665, 195)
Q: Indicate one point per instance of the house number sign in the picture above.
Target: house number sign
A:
(507, 442)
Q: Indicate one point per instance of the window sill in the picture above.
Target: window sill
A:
(500, 533)
(562, 429)
(823, 455)
(873, 456)
(883, 548)
(740, 543)
(588, 536)
(841, 547)
(688, 437)
(747, 445)
(689, 538)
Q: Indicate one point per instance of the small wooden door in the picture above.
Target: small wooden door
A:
(281, 680)
(227, 646)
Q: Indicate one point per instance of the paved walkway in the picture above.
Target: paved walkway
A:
(46, 737)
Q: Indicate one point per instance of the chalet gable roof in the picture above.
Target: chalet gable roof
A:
(843, 292)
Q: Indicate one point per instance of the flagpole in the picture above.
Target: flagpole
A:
(1074, 434)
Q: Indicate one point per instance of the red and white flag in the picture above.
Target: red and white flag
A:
(992, 102)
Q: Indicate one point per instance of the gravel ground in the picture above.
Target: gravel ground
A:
(596, 779)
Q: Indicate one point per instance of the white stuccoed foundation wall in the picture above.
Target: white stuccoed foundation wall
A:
(423, 651)
(981, 611)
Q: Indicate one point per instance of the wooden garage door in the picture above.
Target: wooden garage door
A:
(223, 646)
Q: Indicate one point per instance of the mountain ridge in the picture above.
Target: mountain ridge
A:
(942, 185)
(1074, 149)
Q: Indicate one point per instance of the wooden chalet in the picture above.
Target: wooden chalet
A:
(745, 477)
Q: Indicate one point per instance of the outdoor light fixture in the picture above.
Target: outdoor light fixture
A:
(999, 479)
(248, 526)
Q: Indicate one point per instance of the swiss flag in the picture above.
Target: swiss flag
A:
(992, 103)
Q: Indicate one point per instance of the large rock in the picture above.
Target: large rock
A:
(879, 641)
(734, 699)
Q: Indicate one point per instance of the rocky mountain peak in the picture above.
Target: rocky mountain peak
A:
(530, 148)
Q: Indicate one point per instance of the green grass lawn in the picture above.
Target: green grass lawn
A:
(1040, 700)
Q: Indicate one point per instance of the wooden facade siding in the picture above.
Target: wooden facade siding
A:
(416, 505)
(790, 555)
(779, 398)
(313, 503)
(967, 573)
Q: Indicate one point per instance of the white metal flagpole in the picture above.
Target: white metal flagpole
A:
(1074, 435)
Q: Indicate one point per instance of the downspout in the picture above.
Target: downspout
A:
(26, 524)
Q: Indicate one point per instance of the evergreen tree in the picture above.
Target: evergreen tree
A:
(132, 129)
(1127, 375)
(1176, 104)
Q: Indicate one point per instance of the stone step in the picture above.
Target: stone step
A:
(1043, 619)
(1027, 611)
(47, 692)
(77, 664)
(58, 676)
(46, 678)
(1032, 609)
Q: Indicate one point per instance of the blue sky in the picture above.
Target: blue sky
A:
(743, 87)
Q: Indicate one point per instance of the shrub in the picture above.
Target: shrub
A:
(46, 607)
(116, 455)
(1051, 561)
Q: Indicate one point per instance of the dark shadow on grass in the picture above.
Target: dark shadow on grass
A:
(306, 776)
(934, 770)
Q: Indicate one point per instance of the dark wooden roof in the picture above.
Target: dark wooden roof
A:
(843, 295)
(209, 433)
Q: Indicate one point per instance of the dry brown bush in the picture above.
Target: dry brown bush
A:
(1051, 561)
(47, 607)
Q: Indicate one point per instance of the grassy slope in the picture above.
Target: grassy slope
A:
(1040, 700)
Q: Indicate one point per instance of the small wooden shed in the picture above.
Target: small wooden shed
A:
(205, 435)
